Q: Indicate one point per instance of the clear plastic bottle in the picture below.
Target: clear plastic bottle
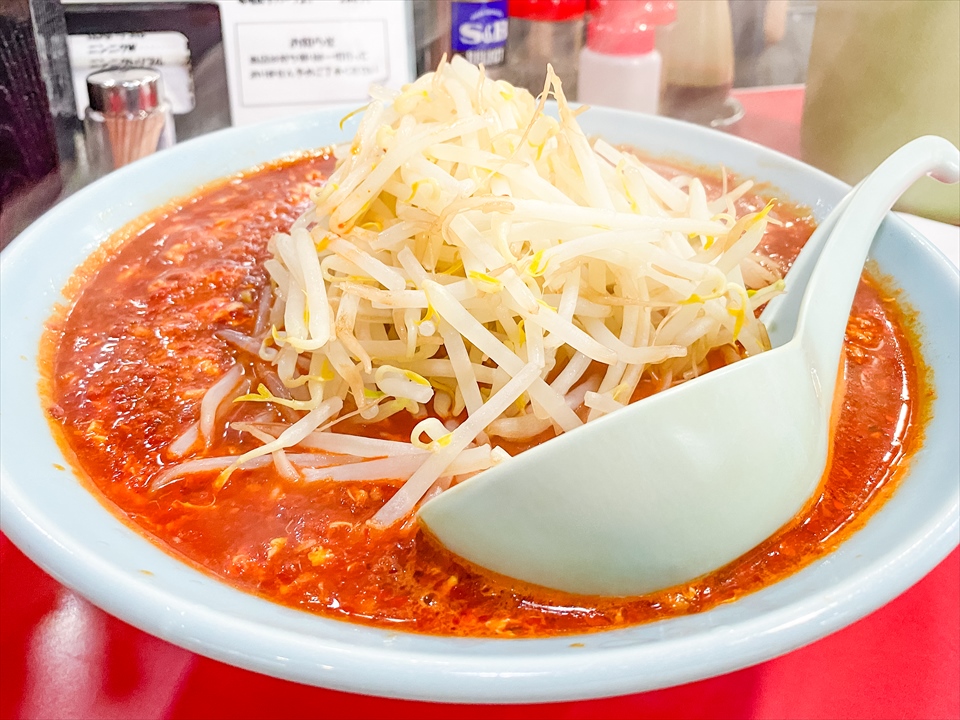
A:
(541, 32)
(699, 65)
(620, 66)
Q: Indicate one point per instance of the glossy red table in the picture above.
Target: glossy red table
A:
(60, 657)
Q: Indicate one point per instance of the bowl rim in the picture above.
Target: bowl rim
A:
(340, 655)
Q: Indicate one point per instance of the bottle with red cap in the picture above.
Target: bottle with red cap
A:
(620, 66)
(541, 32)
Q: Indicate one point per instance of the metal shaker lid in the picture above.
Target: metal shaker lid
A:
(124, 90)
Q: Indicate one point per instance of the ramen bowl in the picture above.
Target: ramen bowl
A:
(54, 518)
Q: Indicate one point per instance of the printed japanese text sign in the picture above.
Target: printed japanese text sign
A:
(286, 57)
(311, 63)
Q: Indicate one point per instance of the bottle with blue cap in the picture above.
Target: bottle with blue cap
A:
(478, 31)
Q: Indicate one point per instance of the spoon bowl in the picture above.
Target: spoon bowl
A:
(721, 462)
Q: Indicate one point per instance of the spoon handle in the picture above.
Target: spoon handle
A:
(833, 283)
(781, 314)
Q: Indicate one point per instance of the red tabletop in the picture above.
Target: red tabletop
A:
(60, 657)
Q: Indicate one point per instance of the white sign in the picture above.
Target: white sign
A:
(166, 52)
(311, 63)
(290, 56)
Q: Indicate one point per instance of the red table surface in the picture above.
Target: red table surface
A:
(61, 657)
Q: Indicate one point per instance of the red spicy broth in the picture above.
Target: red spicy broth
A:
(129, 363)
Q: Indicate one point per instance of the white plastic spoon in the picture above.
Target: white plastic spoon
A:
(687, 480)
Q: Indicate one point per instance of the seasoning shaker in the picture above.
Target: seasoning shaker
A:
(620, 66)
(541, 32)
(698, 65)
(478, 31)
(128, 117)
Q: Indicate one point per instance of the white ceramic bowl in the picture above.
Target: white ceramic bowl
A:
(67, 531)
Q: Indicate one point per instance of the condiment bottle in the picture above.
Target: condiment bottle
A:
(541, 32)
(128, 117)
(698, 64)
(478, 31)
(620, 66)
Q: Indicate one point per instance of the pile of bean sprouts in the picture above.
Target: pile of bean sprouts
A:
(473, 261)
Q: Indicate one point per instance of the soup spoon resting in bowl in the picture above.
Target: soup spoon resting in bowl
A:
(687, 480)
